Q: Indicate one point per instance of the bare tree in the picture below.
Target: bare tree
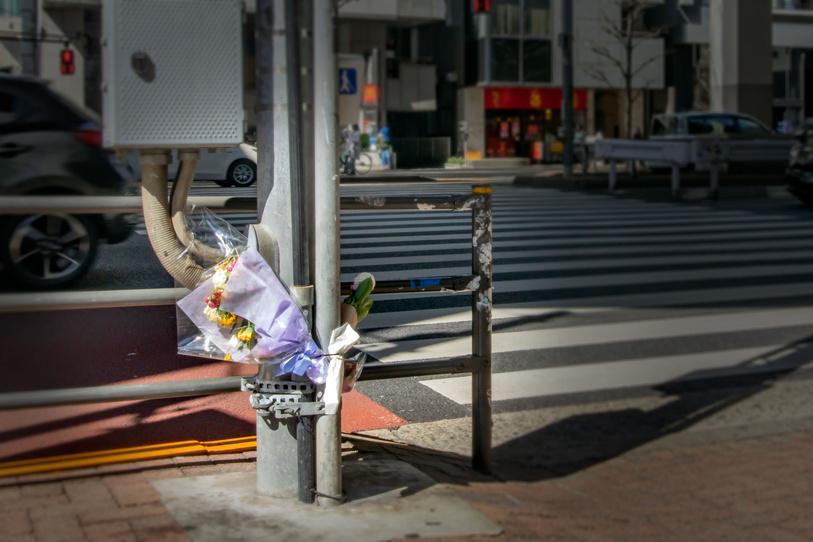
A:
(626, 33)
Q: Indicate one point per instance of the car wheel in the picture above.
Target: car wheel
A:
(242, 172)
(48, 250)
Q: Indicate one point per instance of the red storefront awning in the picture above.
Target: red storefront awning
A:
(531, 98)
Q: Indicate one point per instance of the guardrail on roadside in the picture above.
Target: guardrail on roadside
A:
(479, 284)
(679, 153)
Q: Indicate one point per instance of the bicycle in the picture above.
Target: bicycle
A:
(363, 164)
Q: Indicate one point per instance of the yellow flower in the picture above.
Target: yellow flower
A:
(227, 319)
(246, 334)
(227, 357)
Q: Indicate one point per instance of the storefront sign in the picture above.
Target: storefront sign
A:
(531, 98)
(369, 96)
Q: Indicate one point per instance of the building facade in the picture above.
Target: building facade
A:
(768, 50)
(511, 103)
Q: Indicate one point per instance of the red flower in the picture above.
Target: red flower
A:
(214, 299)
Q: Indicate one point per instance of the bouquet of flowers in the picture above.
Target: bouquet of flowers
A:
(243, 312)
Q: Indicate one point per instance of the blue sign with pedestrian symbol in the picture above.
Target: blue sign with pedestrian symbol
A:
(347, 81)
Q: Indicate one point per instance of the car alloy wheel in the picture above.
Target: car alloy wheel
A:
(49, 249)
(242, 173)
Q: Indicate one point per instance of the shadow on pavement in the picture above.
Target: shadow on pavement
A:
(582, 441)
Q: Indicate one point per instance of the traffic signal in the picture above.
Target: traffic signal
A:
(481, 6)
(66, 64)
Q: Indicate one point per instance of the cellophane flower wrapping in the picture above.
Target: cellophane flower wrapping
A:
(218, 240)
(244, 313)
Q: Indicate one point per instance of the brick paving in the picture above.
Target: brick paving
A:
(731, 490)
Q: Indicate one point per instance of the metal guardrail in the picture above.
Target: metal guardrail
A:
(24, 205)
(479, 284)
(678, 153)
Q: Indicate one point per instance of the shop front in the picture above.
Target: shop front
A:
(526, 121)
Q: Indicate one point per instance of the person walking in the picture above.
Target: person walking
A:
(348, 151)
(384, 147)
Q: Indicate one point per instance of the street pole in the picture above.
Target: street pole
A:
(566, 45)
(28, 45)
(326, 253)
(284, 446)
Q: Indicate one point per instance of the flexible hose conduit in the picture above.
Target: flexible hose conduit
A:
(180, 192)
(171, 252)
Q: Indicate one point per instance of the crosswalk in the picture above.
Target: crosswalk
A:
(592, 292)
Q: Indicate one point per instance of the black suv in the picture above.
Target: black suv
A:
(50, 146)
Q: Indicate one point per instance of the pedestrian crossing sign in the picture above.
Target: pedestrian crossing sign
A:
(347, 81)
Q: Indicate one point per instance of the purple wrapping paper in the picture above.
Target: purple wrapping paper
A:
(254, 292)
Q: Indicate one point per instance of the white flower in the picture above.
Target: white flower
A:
(211, 314)
(220, 277)
(234, 342)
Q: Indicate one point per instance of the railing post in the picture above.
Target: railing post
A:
(481, 328)
(613, 178)
(675, 180)
(714, 177)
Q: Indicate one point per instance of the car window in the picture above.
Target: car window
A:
(699, 125)
(750, 127)
(717, 125)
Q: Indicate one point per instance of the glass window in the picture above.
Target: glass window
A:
(537, 18)
(505, 60)
(10, 8)
(505, 18)
(537, 61)
(699, 125)
(750, 127)
(713, 125)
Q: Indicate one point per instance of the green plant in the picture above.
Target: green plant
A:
(365, 141)
(456, 161)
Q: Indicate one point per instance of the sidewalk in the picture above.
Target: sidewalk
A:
(729, 464)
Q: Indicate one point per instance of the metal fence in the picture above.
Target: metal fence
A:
(479, 284)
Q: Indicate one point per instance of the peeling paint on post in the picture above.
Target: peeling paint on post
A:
(481, 326)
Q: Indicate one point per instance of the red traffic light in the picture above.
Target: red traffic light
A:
(66, 62)
(481, 6)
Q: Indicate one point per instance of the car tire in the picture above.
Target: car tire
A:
(242, 172)
(48, 251)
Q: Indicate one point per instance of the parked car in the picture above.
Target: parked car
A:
(235, 166)
(800, 167)
(689, 125)
(50, 146)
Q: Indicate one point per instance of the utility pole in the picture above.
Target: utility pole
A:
(284, 446)
(28, 45)
(326, 253)
(566, 45)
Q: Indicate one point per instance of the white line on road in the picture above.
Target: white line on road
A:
(538, 339)
(620, 374)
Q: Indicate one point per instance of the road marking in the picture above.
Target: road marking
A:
(413, 240)
(586, 265)
(538, 339)
(625, 374)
